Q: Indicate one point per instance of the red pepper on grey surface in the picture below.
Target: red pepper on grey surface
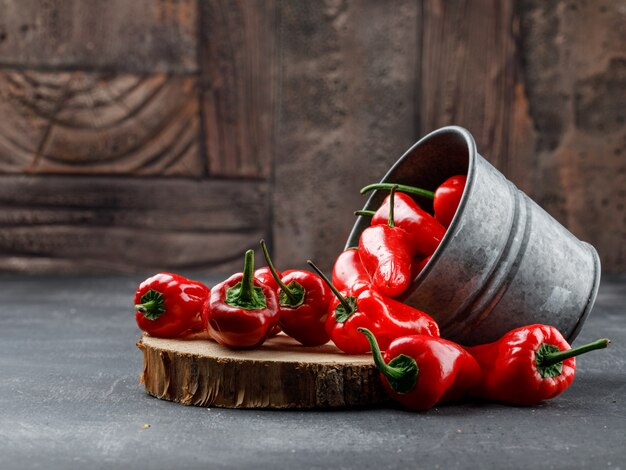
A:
(241, 311)
(528, 365)
(303, 299)
(170, 306)
(367, 308)
(420, 371)
(386, 252)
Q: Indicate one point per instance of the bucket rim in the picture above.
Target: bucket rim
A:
(470, 145)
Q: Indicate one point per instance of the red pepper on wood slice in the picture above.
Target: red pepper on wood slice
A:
(170, 306)
(386, 252)
(303, 300)
(367, 308)
(349, 273)
(264, 275)
(241, 311)
(528, 365)
(446, 197)
(420, 371)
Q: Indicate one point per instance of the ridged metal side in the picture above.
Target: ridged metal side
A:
(504, 261)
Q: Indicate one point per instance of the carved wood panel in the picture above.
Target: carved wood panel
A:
(93, 123)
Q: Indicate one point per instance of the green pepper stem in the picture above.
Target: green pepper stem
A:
(335, 291)
(277, 278)
(553, 358)
(143, 308)
(381, 365)
(392, 206)
(401, 187)
(247, 281)
(364, 213)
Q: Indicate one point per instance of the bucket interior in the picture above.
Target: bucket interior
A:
(427, 164)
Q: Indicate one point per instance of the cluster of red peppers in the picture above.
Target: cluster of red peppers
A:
(358, 310)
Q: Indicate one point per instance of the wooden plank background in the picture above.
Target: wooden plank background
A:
(174, 134)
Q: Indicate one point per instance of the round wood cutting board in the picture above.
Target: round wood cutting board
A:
(280, 374)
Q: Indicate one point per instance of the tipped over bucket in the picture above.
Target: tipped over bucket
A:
(504, 262)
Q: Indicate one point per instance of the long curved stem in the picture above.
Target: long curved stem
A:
(553, 358)
(403, 188)
(275, 275)
(334, 290)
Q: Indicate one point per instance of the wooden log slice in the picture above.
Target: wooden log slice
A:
(279, 374)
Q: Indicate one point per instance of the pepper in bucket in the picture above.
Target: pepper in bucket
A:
(349, 273)
(242, 311)
(446, 197)
(386, 252)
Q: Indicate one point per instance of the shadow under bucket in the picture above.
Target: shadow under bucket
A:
(504, 262)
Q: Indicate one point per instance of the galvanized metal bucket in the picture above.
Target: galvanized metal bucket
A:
(504, 262)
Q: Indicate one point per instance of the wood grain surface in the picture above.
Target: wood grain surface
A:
(127, 224)
(109, 35)
(238, 63)
(310, 101)
(280, 374)
(94, 123)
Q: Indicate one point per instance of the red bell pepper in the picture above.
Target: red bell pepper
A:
(265, 275)
(386, 252)
(446, 197)
(349, 273)
(170, 306)
(367, 308)
(425, 232)
(528, 365)
(241, 311)
(420, 371)
(303, 299)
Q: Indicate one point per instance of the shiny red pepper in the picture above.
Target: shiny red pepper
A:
(303, 299)
(420, 371)
(265, 275)
(425, 232)
(367, 308)
(528, 365)
(387, 252)
(170, 306)
(349, 273)
(241, 311)
(446, 197)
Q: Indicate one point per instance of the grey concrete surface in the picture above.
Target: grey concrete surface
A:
(69, 398)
